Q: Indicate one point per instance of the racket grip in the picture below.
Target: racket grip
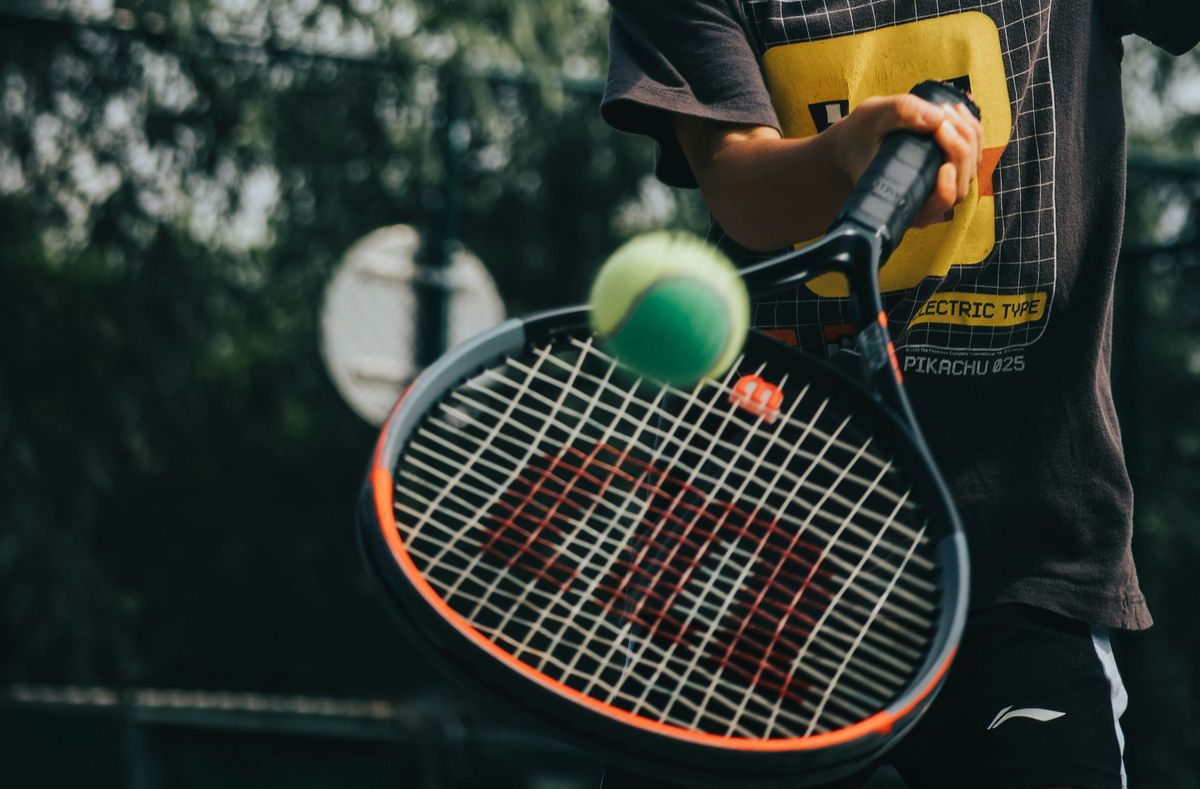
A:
(901, 176)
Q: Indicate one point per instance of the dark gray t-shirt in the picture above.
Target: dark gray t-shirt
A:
(1002, 313)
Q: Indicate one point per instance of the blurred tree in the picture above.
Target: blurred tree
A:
(1162, 99)
(177, 476)
(1157, 375)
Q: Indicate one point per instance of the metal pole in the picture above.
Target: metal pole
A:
(437, 251)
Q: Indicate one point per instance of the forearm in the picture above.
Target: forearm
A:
(765, 191)
(768, 192)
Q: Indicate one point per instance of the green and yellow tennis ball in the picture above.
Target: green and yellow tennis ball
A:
(671, 307)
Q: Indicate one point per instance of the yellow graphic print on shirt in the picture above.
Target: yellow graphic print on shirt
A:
(814, 83)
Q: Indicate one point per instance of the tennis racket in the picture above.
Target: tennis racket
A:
(761, 579)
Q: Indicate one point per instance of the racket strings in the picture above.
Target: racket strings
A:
(531, 646)
(545, 515)
(764, 666)
(538, 560)
(539, 503)
(785, 514)
(823, 464)
(809, 427)
(747, 640)
(524, 642)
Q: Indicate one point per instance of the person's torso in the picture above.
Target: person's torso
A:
(1001, 313)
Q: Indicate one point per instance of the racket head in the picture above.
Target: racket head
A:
(610, 697)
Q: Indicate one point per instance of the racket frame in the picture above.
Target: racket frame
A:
(667, 750)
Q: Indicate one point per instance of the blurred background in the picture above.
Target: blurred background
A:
(210, 210)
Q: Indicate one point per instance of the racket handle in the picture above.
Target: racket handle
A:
(901, 176)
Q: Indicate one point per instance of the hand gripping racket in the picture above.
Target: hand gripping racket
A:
(758, 580)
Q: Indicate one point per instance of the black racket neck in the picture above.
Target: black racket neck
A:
(856, 250)
(875, 217)
(848, 246)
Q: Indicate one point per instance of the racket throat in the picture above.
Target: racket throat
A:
(877, 350)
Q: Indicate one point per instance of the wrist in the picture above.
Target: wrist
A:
(834, 146)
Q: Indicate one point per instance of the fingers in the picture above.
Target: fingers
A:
(956, 130)
(973, 129)
(961, 138)
(906, 111)
(942, 199)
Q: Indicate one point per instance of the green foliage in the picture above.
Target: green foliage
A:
(1162, 100)
(177, 475)
(1157, 374)
(1158, 379)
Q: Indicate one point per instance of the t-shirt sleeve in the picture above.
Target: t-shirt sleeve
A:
(681, 56)
(1173, 25)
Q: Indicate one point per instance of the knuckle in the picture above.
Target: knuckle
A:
(960, 145)
(908, 103)
(908, 108)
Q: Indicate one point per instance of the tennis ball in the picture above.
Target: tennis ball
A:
(671, 307)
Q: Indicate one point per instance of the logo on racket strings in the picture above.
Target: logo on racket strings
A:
(661, 576)
(755, 395)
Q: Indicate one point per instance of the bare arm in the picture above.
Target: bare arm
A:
(768, 192)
